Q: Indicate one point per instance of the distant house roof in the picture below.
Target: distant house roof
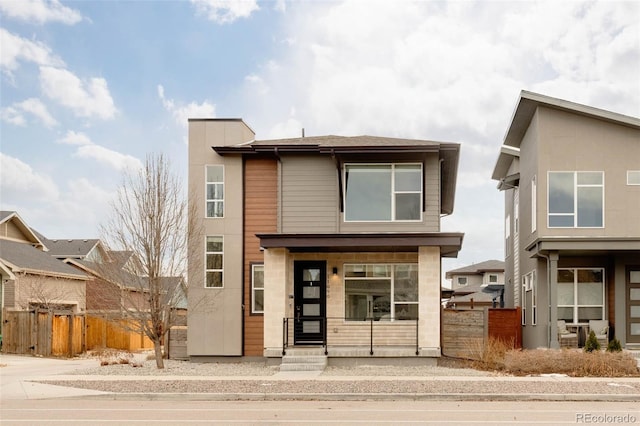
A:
(346, 148)
(478, 268)
(23, 257)
(77, 249)
(28, 233)
(479, 293)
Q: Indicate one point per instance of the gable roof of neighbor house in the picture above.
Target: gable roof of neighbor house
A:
(72, 248)
(527, 105)
(23, 257)
(345, 147)
(478, 268)
(28, 234)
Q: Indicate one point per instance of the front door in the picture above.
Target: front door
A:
(633, 304)
(310, 302)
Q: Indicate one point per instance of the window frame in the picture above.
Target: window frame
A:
(530, 283)
(575, 214)
(393, 193)
(636, 175)
(466, 281)
(576, 306)
(391, 278)
(489, 276)
(208, 200)
(207, 270)
(254, 289)
(534, 204)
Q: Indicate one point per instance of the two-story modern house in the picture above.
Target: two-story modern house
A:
(571, 178)
(477, 286)
(327, 242)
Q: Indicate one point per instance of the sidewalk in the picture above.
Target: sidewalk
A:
(40, 378)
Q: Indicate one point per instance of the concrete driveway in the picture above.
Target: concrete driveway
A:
(17, 372)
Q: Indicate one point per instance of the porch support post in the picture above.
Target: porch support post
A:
(553, 300)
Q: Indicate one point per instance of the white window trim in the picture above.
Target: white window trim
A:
(534, 204)
(391, 278)
(575, 199)
(205, 262)
(523, 301)
(631, 173)
(224, 191)
(466, 281)
(489, 278)
(575, 305)
(253, 289)
(393, 193)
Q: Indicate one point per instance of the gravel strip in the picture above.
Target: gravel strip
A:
(217, 378)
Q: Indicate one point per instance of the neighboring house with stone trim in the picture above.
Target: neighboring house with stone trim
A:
(328, 242)
(571, 178)
(477, 286)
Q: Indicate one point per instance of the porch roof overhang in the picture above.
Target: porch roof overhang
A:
(584, 245)
(450, 243)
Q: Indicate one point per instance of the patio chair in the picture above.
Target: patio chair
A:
(566, 338)
(601, 329)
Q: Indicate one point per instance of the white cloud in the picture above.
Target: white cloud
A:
(19, 181)
(225, 11)
(40, 11)
(108, 157)
(88, 150)
(75, 138)
(181, 114)
(14, 114)
(85, 98)
(16, 49)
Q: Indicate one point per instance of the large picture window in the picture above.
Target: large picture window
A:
(580, 294)
(576, 200)
(381, 291)
(257, 289)
(383, 192)
(215, 191)
(214, 253)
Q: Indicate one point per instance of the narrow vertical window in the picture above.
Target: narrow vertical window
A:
(214, 254)
(534, 204)
(257, 289)
(507, 236)
(215, 191)
(534, 298)
(523, 300)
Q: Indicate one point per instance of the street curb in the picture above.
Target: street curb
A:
(358, 397)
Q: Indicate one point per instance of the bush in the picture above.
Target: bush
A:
(614, 346)
(592, 343)
(571, 362)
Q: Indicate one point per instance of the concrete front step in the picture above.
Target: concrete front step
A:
(304, 360)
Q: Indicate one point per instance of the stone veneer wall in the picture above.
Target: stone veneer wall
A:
(279, 286)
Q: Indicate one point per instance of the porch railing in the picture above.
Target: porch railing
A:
(335, 332)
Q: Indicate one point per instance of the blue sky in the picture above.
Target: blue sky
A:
(88, 88)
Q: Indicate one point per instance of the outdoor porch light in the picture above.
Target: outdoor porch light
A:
(335, 270)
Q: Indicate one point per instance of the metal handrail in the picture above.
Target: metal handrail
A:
(324, 326)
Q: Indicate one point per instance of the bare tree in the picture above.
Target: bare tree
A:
(150, 219)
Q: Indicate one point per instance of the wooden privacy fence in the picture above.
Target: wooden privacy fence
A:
(115, 334)
(465, 332)
(44, 333)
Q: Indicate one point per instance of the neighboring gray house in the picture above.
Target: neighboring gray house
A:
(317, 242)
(571, 178)
(477, 286)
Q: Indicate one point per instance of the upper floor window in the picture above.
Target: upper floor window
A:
(215, 191)
(214, 253)
(383, 192)
(462, 280)
(534, 204)
(633, 177)
(493, 278)
(576, 199)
